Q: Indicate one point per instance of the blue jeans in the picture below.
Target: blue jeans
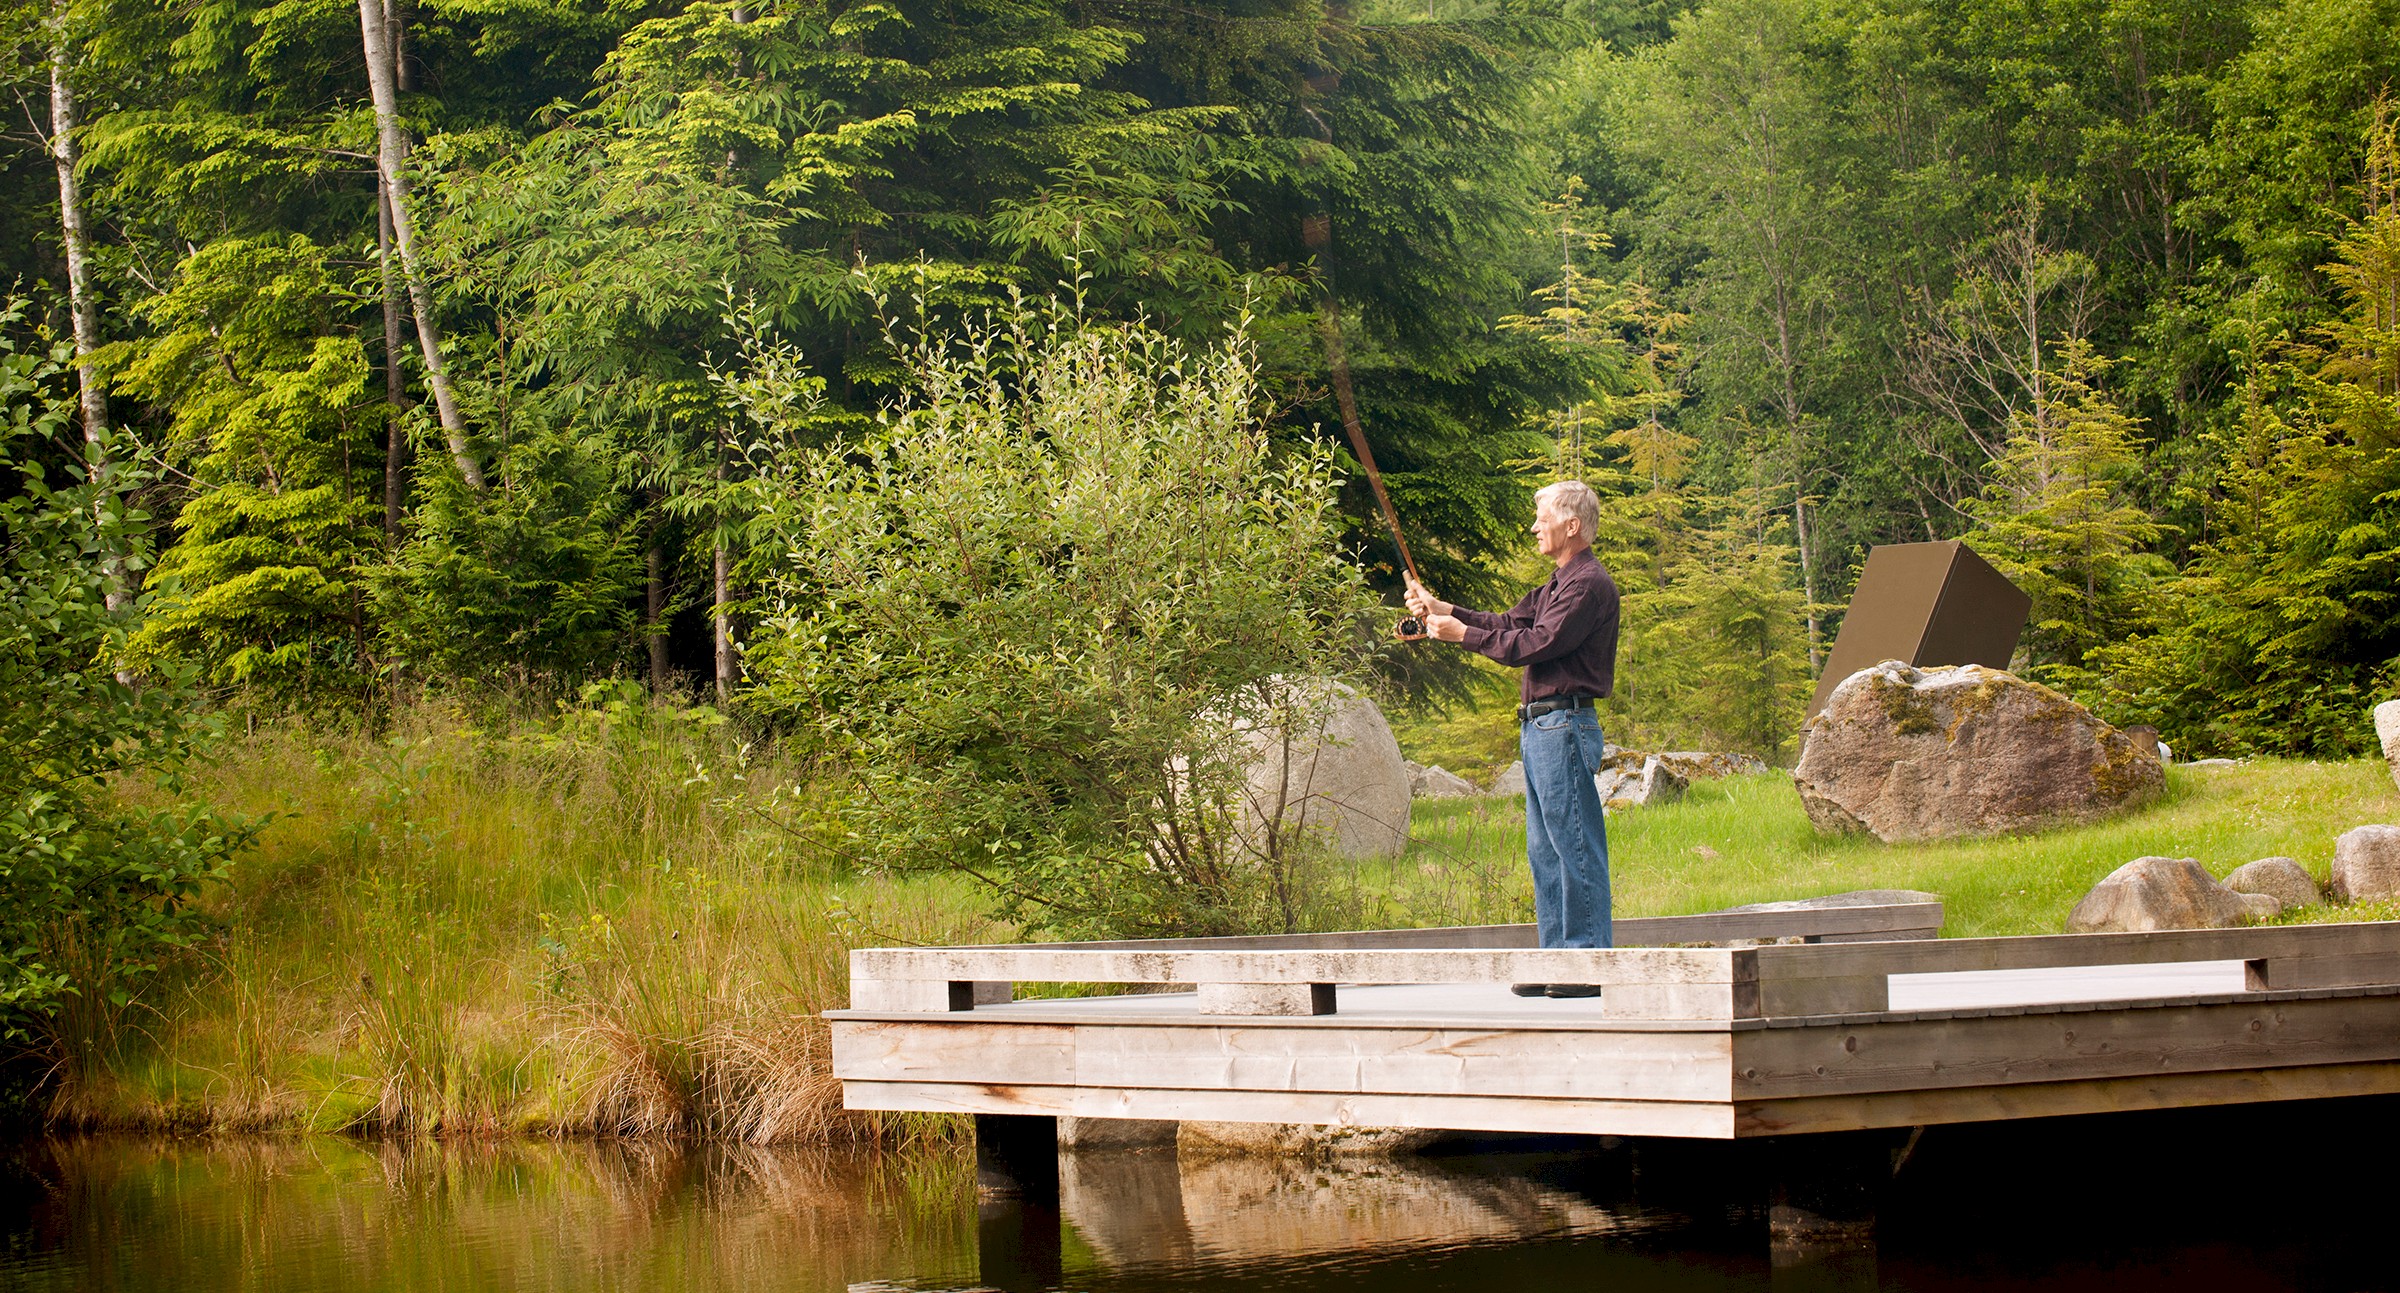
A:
(1566, 837)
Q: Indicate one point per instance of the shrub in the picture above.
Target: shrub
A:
(92, 897)
(1035, 609)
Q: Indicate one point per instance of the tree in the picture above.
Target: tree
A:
(391, 166)
(273, 435)
(1737, 127)
(2281, 634)
(2056, 517)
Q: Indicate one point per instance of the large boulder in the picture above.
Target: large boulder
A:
(2282, 879)
(2366, 864)
(2387, 730)
(1338, 776)
(2158, 893)
(1438, 782)
(1928, 754)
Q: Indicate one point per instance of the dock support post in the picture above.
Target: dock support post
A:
(1825, 1187)
(1016, 1201)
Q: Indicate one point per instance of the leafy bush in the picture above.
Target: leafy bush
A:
(1038, 607)
(92, 897)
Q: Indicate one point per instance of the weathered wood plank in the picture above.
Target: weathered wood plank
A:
(1710, 1121)
(2055, 1099)
(927, 995)
(1396, 1061)
(1790, 996)
(984, 1053)
(1952, 955)
(2328, 970)
(1880, 921)
(1286, 999)
(1068, 964)
(2070, 1043)
(1384, 1061)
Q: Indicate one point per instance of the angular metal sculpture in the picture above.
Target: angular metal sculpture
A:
(1928, 605)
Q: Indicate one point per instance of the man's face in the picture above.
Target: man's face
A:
(1554, 532)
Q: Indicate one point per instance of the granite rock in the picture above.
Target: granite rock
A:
(2282, 879)
(1926, 754)
(1438, 782)
(2366, 864)
(2157, 893)
(2387, 730)
(1337, 776)
(1511, 781)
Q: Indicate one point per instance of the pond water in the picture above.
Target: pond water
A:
(2250, 1199)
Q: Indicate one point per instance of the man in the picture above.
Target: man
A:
(1564, 635)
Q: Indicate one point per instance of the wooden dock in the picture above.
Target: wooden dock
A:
(1868, 1022)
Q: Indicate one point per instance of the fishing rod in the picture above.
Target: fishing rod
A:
(1316, 229)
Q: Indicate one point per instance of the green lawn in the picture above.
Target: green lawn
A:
(1745, 839)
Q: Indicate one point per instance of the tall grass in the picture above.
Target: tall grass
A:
(617, 919)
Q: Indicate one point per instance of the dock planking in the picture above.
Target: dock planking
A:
(1719, 1026)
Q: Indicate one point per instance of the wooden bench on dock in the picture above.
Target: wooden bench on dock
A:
(1867, 1021)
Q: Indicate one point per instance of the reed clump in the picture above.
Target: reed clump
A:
(620, 918)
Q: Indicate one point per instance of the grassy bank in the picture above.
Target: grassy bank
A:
(623, 921)
(619, 921)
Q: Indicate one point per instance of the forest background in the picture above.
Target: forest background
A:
(1785, 279)
(458, 350)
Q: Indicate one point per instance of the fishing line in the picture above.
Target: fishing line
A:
(1316, 230)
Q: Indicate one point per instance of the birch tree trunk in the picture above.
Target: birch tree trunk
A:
(395, 379)
(93, 401)
(391, 161)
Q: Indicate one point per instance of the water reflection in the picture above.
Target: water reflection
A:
(358, 1217)
(2203, 1200)
(1144, 1209)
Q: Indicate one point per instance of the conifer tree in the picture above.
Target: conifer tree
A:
(2057, 517)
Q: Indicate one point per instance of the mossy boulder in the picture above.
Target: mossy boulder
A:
(1928, 754)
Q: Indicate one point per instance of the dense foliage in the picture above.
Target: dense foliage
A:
(1786, 279)
(92, 894)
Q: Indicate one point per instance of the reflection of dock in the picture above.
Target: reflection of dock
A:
(1147, 1208)
(1869, 1024)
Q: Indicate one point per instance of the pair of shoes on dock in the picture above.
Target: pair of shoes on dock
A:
(1555, 989)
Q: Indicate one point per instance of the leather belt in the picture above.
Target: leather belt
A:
(1535, 709)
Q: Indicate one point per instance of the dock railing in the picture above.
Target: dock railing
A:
(1663, 969)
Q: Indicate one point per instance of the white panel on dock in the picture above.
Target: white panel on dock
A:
(1970, 989)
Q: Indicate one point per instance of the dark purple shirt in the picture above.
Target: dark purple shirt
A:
(1563, 634)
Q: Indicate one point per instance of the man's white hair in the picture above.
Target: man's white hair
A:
(1573, 498)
